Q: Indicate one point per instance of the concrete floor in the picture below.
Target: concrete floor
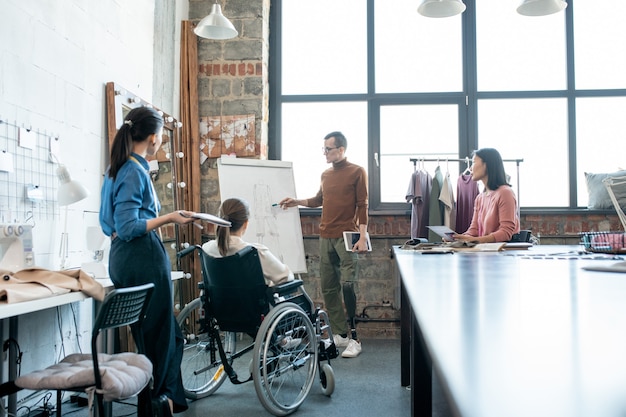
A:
(367, 386)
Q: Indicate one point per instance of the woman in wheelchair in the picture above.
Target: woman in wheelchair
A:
(247, 290)
(229, 241)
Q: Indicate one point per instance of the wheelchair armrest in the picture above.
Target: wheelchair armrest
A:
(286, 287)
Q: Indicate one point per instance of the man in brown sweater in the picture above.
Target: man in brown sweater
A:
(343, 197)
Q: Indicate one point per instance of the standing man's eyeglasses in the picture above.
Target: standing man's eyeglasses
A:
(326, 149)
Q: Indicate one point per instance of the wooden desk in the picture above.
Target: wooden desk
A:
(515, 333)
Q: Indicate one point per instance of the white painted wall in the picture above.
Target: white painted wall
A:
(55, 58)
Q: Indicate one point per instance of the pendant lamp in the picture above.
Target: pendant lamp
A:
(441, 8)
(541, 7)
(215, 25)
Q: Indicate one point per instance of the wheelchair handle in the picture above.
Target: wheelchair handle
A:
(188, 250)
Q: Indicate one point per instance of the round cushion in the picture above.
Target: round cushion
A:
(123, 375)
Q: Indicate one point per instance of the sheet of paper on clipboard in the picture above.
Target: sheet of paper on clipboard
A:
(211, 219)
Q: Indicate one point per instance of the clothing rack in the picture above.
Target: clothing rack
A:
(467, 161)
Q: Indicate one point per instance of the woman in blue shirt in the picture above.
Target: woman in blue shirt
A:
(129, 214)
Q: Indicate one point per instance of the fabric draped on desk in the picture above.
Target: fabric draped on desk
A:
(35, 283)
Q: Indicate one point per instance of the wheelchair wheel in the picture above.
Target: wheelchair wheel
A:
(327, 379)
(201, 368)
(285, 359)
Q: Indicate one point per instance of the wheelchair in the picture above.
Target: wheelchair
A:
(291, 340)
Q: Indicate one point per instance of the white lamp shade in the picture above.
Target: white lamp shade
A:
(70, 191)
(215, 25)
(441, 8)
(541, 7)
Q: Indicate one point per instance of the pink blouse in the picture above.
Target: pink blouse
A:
(495, 213)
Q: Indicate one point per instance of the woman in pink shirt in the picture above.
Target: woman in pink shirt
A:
(495, 216)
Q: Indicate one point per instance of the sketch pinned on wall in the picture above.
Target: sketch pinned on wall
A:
(227, 135)
(263, 184)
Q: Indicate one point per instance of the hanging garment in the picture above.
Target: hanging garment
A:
(447, 199)
(418, 195)
(466, 193)
(435, 207)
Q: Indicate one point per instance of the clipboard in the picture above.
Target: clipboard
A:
(210, 219)
(350, 238)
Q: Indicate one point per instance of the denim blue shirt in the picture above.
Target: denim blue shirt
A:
(128, 202)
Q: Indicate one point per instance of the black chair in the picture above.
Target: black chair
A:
(107, 377)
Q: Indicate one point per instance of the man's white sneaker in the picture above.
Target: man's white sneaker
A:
(353, 350)
(340, 341)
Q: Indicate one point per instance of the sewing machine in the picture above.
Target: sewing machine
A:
(16, 247)
(95, 240)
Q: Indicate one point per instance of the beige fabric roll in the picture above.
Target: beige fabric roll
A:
(36, 283)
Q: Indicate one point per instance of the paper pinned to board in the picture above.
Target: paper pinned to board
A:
(6, 161)
(616, 267)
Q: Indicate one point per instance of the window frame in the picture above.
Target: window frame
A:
(467, 99)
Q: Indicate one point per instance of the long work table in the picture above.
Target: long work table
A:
(514, 333)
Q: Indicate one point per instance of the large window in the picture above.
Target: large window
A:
(411, 92)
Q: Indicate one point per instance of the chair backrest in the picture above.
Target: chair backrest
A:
(122, 307)
(235, 290)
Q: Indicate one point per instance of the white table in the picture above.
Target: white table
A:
(13, 310)
(516, 335)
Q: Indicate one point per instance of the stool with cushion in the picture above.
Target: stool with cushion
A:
(107, 377)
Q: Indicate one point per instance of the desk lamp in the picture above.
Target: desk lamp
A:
(70, 192)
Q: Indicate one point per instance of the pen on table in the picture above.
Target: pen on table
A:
(435, 252)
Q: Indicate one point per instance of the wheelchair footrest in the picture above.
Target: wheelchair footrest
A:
(328, 352)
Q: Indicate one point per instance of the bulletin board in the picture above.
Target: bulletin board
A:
(28, 180)
(263, 184)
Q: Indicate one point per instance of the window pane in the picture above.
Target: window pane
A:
(416, 53)
(534, 130)
(324, 47)
(516, 52)
(599, 44)
(600, 143)
(303, 130)
(415, 131)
